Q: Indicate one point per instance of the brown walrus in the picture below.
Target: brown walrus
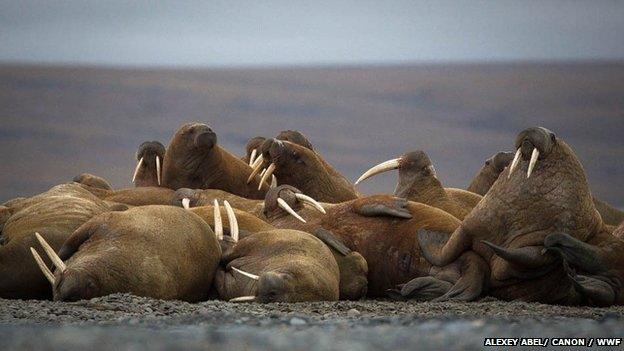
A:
(543, 192)
(148, 172)
(139, 196)
(304, 169)
(162, 252)
(55, 214)
(384, 229)
(252, 149)
(93, 181)
(418, 182)
(194, 160)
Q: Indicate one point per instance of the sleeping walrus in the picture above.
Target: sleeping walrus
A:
(148, 170)
(195, 160)
(93, 181)
(162, 252)
(418, 182)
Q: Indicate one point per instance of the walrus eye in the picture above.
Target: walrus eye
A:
(487, 162)
(553, 138)
(297, 158)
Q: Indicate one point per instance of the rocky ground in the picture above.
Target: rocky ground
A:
(130, 322)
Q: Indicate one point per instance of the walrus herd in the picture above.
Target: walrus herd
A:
(280, 224)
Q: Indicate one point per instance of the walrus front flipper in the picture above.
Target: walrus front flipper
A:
(421, 288)
(380, 206)
(332, 241)
(597, 292)
(71, 245)
(473, 280)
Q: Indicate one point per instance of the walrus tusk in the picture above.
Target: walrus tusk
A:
(246, 274)
(218, 224)
(233, 221)
(243, 299)
(514, 163)
(311, 201)
(533, 162)
(44, 269)
(281, 203)
(266, 175)
(273, 181)
(256, 166)
(186, 203)
(252, 157)
(51, 254)
(380, 168)
(158, 169)
(263, 172)
(136, 170)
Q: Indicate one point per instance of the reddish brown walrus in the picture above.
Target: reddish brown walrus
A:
(55, 214)
(194, 160)
(384, 229)
(418, 182)
(544, 191)
(162, 252)
(148, 170)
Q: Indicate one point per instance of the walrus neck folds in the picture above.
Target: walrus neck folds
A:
(421, 189)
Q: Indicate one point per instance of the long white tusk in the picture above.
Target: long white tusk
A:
(514, 163)
(311, 201)
(380, 168)
(233, 221)
(281, 203)
(246, 274)
(252, 157)
(51, 254)
(273, 181)
(243, 299)
(136, 170)
(44, 269)
(158, 169)
(218, 224)
(533, 162)
(263, 172)
(256, 166)
(266, 175)
(186, 203)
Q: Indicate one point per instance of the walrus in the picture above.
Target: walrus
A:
(138, 196)
(55, 214)
(418, 182)
(383, 229)
(252, 149)
(195, 160)
(278, 265)
(295, 165)
(149, 156)
(495, 165)
(162, 252)
(93, 181)
(544, 191)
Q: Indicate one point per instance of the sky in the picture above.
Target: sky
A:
(268, 33)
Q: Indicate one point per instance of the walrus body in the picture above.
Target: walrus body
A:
(55, 214)
(139, 196)
(148, 172)
(162, 252)
(93, 181)
(194, 160)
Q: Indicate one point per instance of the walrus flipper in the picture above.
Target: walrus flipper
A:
(577, 253)
(597, 292)
(332, 241)
(421, 288)
(379, 207)
(472, 283)
(71, 245)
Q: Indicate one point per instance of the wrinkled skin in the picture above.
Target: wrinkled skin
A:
(147, 175)
(418, 182)
(306, 170)
(93, 181)
(139, 196)
(194, 160)
(516, 215)
(295, 137)
(161, 252)
(383, 229)
(292, 266)
(253, 143)
(55, 214)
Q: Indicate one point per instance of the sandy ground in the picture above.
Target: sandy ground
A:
(130, 322)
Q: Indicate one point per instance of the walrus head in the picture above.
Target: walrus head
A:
(287, 199)
(149, 156)
(252, 149)
(489, 172)
(295, 137)
(543, 191)
(93, 181)
(185, 197)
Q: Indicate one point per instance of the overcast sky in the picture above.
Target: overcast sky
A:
(232, 33)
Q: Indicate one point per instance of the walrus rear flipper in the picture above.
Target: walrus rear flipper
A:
(473, 280)
(577, 253)
(332, 241)
(421, 288)
(595, 291)
(381, 206)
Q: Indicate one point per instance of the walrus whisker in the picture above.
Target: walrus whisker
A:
(252, 157)
(246, 274)
(243, 299)
(514, 163)
(233, 221)
(282, 204)
(44, 269)
(56, 260)
(533, 162)
(305, 198)
(266, 175)
(158, 176)
(136, 170)
(218, 224)
(256, 166)
(380, 168)
(186, 203)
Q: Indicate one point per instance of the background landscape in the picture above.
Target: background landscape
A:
(59, 121)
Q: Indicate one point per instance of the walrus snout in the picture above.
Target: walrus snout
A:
(531, 144)
(500, 160)
(185, 197)
(205, 138)
(274, 286)
(74, 286)
(150, 149)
